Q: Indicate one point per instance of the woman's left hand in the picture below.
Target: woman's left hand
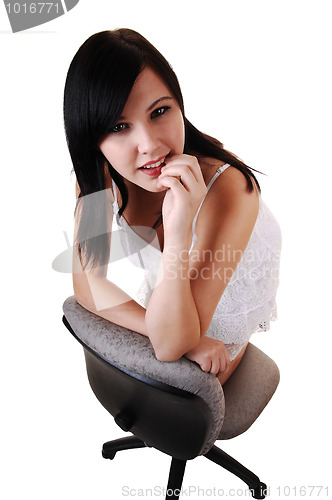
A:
(183, 176)
(211, 355)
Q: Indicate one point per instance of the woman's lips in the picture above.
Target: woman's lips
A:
(156, 171)
(150, 169)
(154, 163)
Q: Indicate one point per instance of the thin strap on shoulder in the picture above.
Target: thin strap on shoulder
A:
(219, 171)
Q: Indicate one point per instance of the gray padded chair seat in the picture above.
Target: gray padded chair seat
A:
(248, 391)
(234, 407)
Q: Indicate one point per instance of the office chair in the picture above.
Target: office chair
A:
(174, 407)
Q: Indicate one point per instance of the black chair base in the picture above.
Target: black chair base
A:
(218, 456)
(257, 488)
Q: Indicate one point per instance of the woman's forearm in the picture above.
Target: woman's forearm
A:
(172, 321)
(105, 299)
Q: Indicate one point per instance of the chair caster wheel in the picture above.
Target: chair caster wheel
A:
(108, 454)
(260, 491)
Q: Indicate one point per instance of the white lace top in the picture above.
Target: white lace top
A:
(248, 303)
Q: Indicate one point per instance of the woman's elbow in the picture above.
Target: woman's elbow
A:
(167, 355)
(83, 293)
(170, 351)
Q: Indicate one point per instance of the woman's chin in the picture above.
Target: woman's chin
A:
(151, 186)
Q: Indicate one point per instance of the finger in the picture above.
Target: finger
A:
(187, 177)
(215, 366)
(190, 162)
(184, 175)
(172, 183)
(228, 361)
(205, 365)
(224, 362)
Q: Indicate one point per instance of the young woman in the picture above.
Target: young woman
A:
(210, 249)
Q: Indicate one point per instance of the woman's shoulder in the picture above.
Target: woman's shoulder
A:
(229, 188)
(228, 206)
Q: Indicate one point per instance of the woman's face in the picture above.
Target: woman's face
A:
(151, 127)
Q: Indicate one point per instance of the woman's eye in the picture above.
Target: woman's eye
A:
(159, 111)
(118, 128)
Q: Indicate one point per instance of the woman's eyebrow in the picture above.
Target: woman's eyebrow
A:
(151, 106)
(157, 101)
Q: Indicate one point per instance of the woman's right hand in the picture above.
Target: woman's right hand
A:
(183, 177)
(211, 355)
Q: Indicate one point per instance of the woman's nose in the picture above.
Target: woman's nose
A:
(147, 141)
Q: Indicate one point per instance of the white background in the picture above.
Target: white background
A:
(255, 74)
